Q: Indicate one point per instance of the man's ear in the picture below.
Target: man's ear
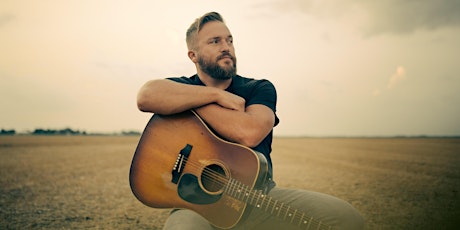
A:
(192, 55)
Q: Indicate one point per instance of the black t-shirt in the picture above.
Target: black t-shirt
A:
(254, 92)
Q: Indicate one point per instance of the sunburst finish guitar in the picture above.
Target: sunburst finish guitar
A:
(180, 163)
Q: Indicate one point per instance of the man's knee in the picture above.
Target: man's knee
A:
(349, 218)
(183, 219)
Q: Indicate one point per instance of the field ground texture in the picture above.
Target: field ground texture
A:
(73, 182)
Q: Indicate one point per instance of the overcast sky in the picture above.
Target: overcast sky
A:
(341, 68)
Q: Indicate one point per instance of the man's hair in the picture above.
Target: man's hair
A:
(197, 25)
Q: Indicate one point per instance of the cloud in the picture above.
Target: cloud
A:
(5, 18)
(381, 17)
(397, 77)
(398, 17)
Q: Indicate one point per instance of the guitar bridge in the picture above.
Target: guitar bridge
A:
(180, 163)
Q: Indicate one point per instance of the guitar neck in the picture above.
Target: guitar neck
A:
(257, 199)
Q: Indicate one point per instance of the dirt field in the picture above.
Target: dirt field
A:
(66, 182)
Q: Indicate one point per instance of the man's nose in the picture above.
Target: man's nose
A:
(225, 47)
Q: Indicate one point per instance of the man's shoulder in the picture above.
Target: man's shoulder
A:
(192, 80)
(252, 82)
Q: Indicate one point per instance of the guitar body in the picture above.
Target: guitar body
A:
(180, 163)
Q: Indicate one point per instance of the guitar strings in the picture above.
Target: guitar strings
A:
(246, 191)
(225, 182)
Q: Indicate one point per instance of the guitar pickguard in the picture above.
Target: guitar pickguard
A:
(190, 191)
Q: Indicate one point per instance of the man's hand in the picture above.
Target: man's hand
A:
(231, 101)
(247, 127)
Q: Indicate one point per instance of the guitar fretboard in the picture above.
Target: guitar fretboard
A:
(257, 199)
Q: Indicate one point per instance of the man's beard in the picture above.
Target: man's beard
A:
(214, 70)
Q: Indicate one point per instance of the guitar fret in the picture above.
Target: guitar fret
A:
(301, 219)
(268, 205)
(309, 222)
(252, 199)
(263, 199)
(241, 192)
(246, 195)
(237, 192)
(319, 225)
(274, 205)
(279, 210)
(293, 215)
(286, 213)
(231, 188)
(258, 197)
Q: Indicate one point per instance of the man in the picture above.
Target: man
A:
(240, 110)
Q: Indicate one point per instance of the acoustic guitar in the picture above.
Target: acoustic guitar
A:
(180, 163)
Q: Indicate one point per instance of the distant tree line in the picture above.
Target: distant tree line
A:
(66, 131)
(130, 133)
(8, 132)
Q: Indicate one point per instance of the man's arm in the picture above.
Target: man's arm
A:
(247, 127)
(223, 111)
(169, 97)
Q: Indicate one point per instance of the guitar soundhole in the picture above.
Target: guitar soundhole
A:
(213, 178)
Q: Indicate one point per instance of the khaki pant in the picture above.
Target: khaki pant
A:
(330, 210)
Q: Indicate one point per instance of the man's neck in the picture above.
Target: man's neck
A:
(212, 82)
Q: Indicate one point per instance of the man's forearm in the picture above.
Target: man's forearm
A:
(248, 127)
(169, 97)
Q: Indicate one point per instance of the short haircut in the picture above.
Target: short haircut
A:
(197, 25)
